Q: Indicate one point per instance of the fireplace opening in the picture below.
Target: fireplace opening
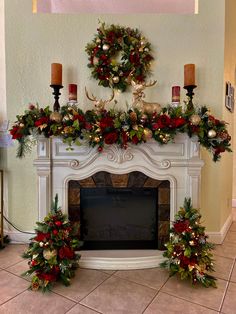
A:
(128, 211)
(118, 218)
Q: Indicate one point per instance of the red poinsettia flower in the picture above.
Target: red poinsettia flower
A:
(110, 138)
(177, 122)
(134, 57)
(163, 121)
(181, 226)
(66, 252)
(42, 236)
(15, 132)
(106, 122)
(55, 232)
(79, 117)
(41, 121)
(48, 277)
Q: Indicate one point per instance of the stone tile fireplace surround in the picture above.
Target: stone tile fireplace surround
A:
(177, 162)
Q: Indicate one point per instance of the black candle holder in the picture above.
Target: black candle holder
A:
(56, 93)
(190, 94)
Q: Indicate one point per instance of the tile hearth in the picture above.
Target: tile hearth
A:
(147, 291)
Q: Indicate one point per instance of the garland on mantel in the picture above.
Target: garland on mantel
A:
(107, 127)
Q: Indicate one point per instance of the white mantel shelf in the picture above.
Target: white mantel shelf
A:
(178, 162)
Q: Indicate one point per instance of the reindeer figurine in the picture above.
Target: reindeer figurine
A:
(138, 95)
(99, 104)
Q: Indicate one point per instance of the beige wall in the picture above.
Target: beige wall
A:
(34, 41)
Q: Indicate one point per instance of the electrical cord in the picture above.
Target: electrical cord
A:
(11, 224)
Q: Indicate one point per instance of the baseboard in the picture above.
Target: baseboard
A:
(18, 237)
(233, 202)
(218, 237)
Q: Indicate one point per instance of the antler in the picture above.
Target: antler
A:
(112, 96)
(92, 99)
(151, 83)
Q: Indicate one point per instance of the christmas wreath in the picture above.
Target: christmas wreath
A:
(188, 252)
(51, 252)
(117, 52)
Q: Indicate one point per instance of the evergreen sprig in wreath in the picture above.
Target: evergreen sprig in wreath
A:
(115, 53)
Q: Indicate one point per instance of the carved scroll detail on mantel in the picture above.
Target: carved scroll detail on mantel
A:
(119, 155)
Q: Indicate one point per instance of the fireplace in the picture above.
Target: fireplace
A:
(129, 211)
(177, 164)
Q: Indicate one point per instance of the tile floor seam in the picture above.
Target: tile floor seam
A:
(155, 295)
(78, 302)
(14, 297)
(137, 283)
(181, 298)
(85, 306)
(95, 288)
(227, 286)
(12, 265)
(19, 276)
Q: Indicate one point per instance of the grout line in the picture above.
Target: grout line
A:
(158, 291)
(14, 297)
(86, 307)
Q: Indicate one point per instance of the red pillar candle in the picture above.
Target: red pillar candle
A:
(189, 74)
(175, 93)
(56, 74)
(72, 92)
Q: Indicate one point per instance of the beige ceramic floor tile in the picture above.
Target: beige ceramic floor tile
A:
(233, 276)
(10, 286)
(84, 282)
(30, 302)
(19, 268)
(222, 266)
(167, 304)
(209, 297)
(233, 227)
(230, 237)
(153, 278)
(11, 254)
(226, 250)
(80, 309)
(109, 272)
(116, 295)
(229, 305)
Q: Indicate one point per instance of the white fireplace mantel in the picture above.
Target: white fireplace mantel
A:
(178, 162)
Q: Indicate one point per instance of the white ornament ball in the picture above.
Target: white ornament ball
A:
(195, 119)
(105, 47)
(116, 79)
(211, 133)
(41, 244)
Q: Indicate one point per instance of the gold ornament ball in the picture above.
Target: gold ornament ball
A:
(48, 254)
(21, 125)
(211, 133)
(195, 119)
(105, 47)
(56, 116)
(96, 139)
(147, 134)
(98, 40)
(116, 79)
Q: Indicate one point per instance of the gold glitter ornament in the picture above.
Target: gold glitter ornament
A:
(147, 134)
(48, 254)
(116, 79)
(133, 116)
(195, 119)
(56, 116)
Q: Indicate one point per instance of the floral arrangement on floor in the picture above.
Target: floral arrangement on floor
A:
(52, 251)
(188, 252)
(107, 127)
(115, 53)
